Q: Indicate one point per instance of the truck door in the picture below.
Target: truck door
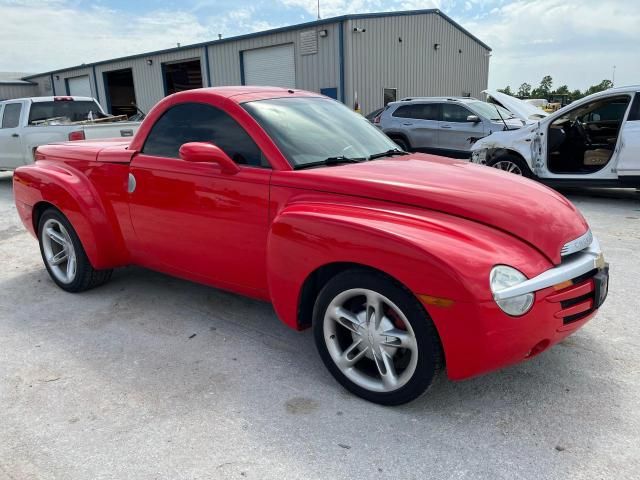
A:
(11, 151)
(191, 219)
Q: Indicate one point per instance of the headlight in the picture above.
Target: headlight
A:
(502, 277)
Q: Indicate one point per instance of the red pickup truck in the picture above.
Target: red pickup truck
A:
(401, 263)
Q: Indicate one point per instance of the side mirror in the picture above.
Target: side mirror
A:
(473, 118)
(202, 152)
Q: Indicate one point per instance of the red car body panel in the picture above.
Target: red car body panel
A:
(436, 225)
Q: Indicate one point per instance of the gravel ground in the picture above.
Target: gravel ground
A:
(150, 377)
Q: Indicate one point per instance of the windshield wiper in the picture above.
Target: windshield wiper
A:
(329, 162)
(388, 153)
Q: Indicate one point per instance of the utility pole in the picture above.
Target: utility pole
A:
(613, 77)
(318, 9)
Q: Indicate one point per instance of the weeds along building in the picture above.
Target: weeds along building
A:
(368, 59)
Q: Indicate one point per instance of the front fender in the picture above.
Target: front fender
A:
(71, 192)
(430, 253)
(520, 141)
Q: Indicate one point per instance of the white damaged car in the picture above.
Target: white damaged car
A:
(594, 141)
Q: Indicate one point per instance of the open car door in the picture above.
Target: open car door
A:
(629, 144)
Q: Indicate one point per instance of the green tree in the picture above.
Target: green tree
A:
(603, 85)
(524, 90)
(545, 85)
(562, 90)
(576, 95)
(506, 90)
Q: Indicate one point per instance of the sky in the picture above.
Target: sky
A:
(577, 42)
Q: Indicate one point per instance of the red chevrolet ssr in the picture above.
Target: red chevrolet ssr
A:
(402, 263)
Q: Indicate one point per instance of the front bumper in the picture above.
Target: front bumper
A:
(479, 337)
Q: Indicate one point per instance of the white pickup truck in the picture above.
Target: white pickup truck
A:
(27, 123)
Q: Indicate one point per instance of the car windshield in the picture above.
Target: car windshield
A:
(65, 111)
(309, 130)
(490, 110)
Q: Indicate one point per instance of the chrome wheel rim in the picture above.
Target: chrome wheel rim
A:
(508, 166)
(58, 251)
(370, 340)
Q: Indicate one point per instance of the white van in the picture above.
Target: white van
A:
(594, 141)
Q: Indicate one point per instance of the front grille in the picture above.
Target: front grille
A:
(577, 301)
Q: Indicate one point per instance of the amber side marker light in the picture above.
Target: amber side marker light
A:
(563, 285)
(438, 302)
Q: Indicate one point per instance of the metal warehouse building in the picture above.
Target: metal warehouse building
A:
(372, 58)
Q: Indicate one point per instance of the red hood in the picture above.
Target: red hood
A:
(524, 208)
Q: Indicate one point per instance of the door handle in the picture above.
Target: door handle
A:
(15, 135)
(445, 126)
(407, 123)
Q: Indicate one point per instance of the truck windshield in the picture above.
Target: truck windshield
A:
(309, 130)
(64, 111)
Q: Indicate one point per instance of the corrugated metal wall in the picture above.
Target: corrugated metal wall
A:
(377, 59)
(373, 60)
(60, 84)
(313, 72)
(44, 85)
(9, 91)
(147, 79)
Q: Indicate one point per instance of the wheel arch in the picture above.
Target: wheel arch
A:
(38, 187)
(393, 134)
(495, 154)
(316, 281)
(306, 247)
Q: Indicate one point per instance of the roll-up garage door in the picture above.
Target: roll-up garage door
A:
(271, 66)
(79, 86)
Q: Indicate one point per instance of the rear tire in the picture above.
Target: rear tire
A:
(376, 338)
(512, 164)
(64, 256)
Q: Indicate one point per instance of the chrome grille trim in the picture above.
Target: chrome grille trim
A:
(578, 244)
(573, 267)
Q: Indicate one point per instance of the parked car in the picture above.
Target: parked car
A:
(26, 123)
(443, 125)
(401, 263)
(593, 141)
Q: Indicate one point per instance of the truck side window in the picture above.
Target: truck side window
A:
(197, 122)
(11, 117)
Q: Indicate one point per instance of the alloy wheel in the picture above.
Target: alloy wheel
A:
(59, 252)
(508, 166)
(370, 340)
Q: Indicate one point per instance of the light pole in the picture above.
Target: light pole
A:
(613, 77)
(318, 9)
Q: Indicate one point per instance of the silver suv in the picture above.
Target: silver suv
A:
(443, 125)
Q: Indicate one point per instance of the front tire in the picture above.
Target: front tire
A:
(64, 256)
(511, 164)
(375, 338)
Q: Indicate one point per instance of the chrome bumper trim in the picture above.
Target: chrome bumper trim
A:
(572, 267)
